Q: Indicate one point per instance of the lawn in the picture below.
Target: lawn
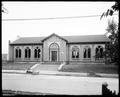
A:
(15, 93)
(16, 66)
(87, 68)
(83, 68)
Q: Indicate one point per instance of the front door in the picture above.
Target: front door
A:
(54, 56)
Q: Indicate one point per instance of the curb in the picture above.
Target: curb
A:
(57, 73)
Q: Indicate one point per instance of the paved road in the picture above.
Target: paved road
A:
(57, 84)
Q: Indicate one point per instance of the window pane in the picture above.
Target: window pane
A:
(29, 53)
(96, 50)
(77, 55)
(25, 53)
(16, 52)
(35, 53)
(89, 52)
(101, 52)
(73, 54)
(19, 53)
(38, 53)
(84, 53)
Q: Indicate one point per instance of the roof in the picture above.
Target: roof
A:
(86, 38)
(70, 39)
(28, 40)
(53, 35)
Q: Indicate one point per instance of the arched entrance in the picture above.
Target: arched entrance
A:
(54, 52)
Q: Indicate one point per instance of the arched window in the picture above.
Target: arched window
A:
(27, 52)
(99, 52)
(18, 52)
(37, 52)
(87, 52)
(75, 52)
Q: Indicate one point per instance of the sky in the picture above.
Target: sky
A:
(12, 30)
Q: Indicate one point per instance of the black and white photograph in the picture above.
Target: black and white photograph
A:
(60, 48)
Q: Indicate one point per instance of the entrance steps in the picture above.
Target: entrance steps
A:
(51, 67)
(51, 63)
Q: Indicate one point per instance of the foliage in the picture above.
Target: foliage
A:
(111, 11)
(106, 91)
(112, 29)
(112, 47)
(4, 10)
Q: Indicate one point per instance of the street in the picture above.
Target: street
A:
(69, 85)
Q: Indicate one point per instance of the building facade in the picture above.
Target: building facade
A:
(56, 48)
(4, 57)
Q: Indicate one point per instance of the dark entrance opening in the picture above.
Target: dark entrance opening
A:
(54, 56)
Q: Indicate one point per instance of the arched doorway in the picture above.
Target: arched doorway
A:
(54, 52)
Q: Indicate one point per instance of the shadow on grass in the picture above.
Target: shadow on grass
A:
(16, 66)
(91, 68)
(14, 93)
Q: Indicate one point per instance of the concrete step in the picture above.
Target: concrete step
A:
(51, 63)
(51, 67)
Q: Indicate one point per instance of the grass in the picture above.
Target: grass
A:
(83, 68)
(16, 66)
(88, 68)
(14, 93)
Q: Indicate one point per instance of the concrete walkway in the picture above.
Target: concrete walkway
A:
(59, 73)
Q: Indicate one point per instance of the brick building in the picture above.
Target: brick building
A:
(56, 48)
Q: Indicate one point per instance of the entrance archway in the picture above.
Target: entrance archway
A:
(54, 52)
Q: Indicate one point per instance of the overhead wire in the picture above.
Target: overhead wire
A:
(27, 19)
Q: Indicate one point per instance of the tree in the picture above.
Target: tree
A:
(111, 11)
(112, 51)
(4, 10)
(112, 47)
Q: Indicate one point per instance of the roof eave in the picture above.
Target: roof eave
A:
(26, 44)
(100, 42)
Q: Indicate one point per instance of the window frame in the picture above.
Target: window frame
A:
(18, 53)
(87, 52)
(98, 48)
(75, 52)
(27, 53)
(37, 53)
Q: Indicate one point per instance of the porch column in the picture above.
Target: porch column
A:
(32, 53)
(93, 53)
(23, 53)
(81, 52)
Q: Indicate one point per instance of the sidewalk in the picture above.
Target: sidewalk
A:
(59, 73)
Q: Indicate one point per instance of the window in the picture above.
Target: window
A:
(87, 52)
(37, 52)
(75, 52)
(18, 52)
(99, 52)
(27, 52)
